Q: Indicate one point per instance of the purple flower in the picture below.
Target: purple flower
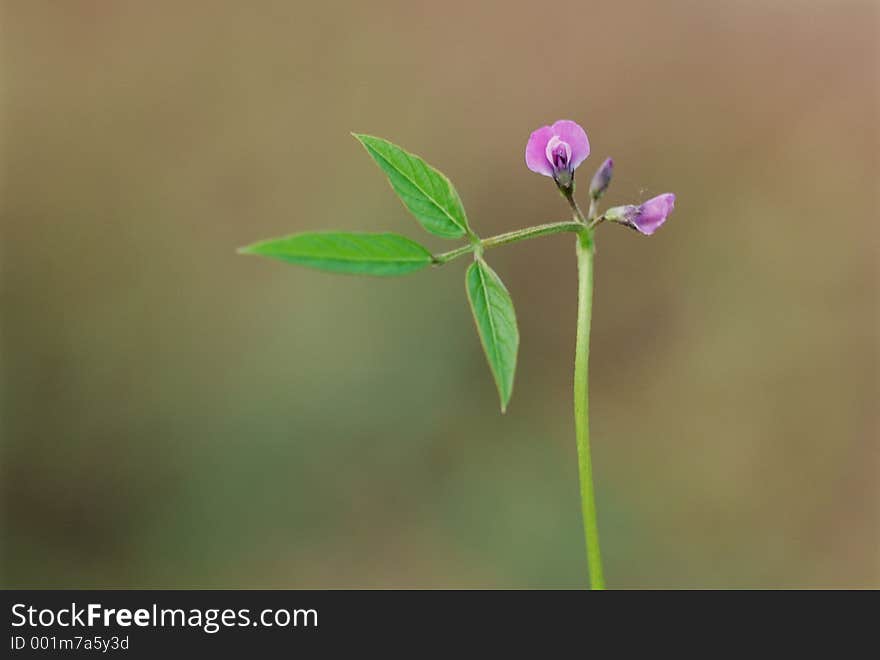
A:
(645, 218)
(557, 150)
(601, 179)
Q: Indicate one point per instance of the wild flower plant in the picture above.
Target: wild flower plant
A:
(554, 151)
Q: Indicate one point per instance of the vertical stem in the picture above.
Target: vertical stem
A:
(581, 408)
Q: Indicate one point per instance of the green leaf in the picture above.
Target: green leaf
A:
(496, 325)
(427, 193)
(347, 252)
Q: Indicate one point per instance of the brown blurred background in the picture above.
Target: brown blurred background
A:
(175, 415)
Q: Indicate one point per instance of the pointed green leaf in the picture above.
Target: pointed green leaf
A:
(496, 325)
(347, 252)
(427, 193)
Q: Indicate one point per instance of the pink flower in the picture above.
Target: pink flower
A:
(557, 150)
(646, 218)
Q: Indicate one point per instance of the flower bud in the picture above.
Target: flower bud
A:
(601, 179)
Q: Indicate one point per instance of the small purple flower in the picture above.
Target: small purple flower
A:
(601, 179)
(645, 218)
(557, 150)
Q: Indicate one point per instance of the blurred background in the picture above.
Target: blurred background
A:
(176, 415)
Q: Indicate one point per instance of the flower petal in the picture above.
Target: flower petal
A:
(653, 213)
(661, 204)
(647, 225)
(536, 154)
(571, 132)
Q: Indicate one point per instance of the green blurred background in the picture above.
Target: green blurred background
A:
(175, 415)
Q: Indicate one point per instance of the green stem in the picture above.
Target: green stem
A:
(595, 222)
(583, 226)
(510, 237)
(576, 212)
(581, 408)
(591, 214)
